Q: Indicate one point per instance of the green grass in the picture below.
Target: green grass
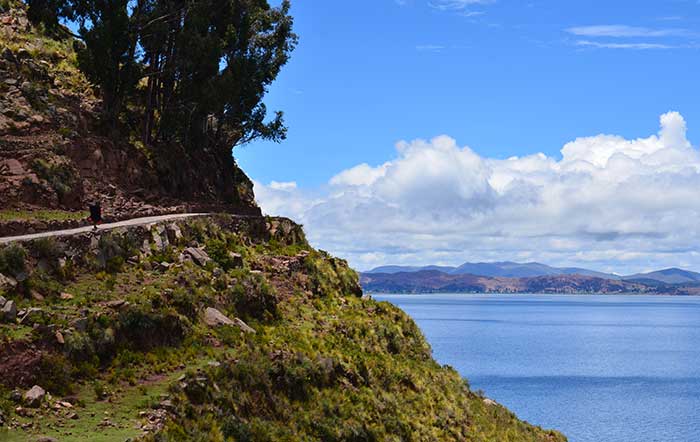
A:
(41, 215)
(324, 363)
(122, 410)
(14, 332)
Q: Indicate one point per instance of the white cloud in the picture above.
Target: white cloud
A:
(641, 46)
(457, 5)
(430, 48)
(291, 185)
(626, 31)
(610, 203)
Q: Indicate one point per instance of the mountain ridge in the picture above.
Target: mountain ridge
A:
(510, 269)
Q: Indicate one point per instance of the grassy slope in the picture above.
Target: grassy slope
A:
(324, 364)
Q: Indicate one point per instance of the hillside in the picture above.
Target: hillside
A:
(667, 276)
(434, 281)
(439, 282)
(218, 328)
(56, 155)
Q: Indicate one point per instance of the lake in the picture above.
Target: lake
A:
(597, 368)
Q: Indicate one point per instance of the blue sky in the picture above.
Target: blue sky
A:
(444, 131)
(509, 80)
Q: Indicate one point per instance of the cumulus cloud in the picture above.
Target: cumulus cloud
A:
(608, 202)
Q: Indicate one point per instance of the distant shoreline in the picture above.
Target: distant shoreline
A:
(656, 295)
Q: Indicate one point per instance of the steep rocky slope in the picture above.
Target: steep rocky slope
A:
(54, 154)
(218, 328)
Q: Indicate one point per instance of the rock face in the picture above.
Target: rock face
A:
(34, 397)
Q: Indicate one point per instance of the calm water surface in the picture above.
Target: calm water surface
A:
(598, 368)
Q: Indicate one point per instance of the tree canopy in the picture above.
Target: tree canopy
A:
(188, 71)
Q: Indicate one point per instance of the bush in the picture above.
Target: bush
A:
(146, 330)
(219, 250)
(331, 276)
(55, 374)
(62, 177)
(13, 260)
(253, 298)
(114, 250)
(46, 248)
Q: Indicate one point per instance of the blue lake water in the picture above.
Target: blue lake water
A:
(597, 368)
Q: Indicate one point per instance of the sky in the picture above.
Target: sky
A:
(444, 131)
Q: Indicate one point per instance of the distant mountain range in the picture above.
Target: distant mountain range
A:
(505, 269)
(512, 277)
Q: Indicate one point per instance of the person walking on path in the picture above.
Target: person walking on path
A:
(95, 214)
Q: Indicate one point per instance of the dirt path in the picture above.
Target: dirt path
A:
(110, 226)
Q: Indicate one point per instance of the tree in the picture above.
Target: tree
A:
(197, 70)
(48, 12)
(110, 32)
(209, 65)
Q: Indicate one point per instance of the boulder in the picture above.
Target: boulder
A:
(16, 396)
(80, 324)
(36, 295)
(164, 266)
(116, 304)
(7, 282)
(236, 260)
(160, 238)
(3, 301)
(8, 55)
(489, 402)
(174, 233)
(214, 318)
(9, 311)
(243, 326)
(34, 397)
(198, 255)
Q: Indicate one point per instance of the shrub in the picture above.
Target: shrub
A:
(55, 374)
(253, 298)
(46, 248)
(62, 177)
(13, 260)
(146, 330)
(331, 276)
(99, 390)
(219, 250)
